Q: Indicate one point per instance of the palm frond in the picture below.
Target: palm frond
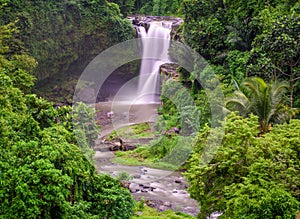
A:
(267, 100)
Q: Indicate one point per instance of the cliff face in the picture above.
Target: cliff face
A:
(64, 35)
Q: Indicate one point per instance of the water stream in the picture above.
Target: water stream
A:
(156, 48)
(164, 189)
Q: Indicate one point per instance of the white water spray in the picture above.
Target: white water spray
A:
(157, 49)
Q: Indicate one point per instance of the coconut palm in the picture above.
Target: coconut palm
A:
(267, 101)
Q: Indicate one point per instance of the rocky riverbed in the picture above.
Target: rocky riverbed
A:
(160, 189)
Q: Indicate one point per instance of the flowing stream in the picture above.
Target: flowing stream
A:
(162, 189)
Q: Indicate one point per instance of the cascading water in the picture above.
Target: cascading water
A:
(140, 96)
(155, 45)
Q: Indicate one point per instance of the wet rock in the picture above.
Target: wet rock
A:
(135, 21)
(136, 176)
(133, 187)
(177, 181)
(146, 186)
(128, 147)
(162, 208)
(167, 204)
(152, 188)
(151, 204)
(115, 147)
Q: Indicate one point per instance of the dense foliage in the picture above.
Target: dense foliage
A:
(249, 176)
(267, 101)
(245, 39)
(153, 7)
(63, 36)
(43, 172)
(46, 167)
(254, 48)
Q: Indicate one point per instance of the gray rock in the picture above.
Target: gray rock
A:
(162, 208)
(134, 188)
(152, 188)
(178, 181)
(146, 186)
(167, 204)
(136, 176)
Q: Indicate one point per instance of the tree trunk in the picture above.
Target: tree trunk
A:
(291, 87)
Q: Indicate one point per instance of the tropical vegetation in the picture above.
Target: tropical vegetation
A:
(44, 171)
(243, 164)
(267, 101)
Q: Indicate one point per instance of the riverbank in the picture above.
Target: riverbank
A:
(159, 189)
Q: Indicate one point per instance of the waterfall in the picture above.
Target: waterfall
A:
(155, 44)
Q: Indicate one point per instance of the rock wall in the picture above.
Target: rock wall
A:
(144, 20)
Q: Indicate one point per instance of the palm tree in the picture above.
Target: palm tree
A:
(267, 101)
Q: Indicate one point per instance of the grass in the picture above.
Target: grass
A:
(138, 157)
(165, 153)
(143, 211)
(141, 130)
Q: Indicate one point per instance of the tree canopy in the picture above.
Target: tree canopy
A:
(267, 101)
(43, 171)
(249, 176)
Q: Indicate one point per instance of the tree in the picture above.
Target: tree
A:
(247, 172)
(126, 6)
(43, 173)
(276, 53)
(267, 101)
(252, 201)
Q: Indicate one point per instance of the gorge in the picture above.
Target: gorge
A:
(159, 188)
(93, 118)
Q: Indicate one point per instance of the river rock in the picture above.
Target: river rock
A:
(167, 204)
(162, 208)
(115, 147)
(136, 176)
(133, 187)
(152, 188)
(146, 186)
(128, 147)
(177, 181)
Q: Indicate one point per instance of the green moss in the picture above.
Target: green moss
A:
(142, 211)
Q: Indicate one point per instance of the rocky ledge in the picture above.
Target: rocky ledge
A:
(145, 20)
